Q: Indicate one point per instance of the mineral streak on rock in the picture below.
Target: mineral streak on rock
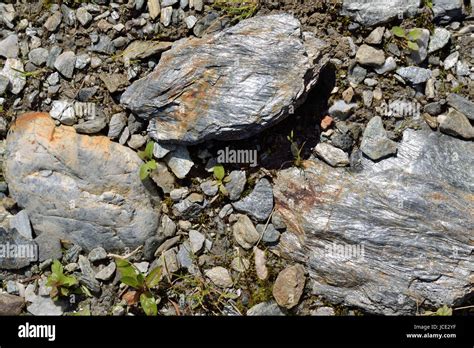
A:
(230, 84)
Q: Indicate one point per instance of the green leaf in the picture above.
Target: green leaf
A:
(64, 291)
(223, 190)
(148, 304)
(152, 164)
(398, 31)
(69, 281)
(219, 172)
(154, 277)
(414, 34)
(56, 267)
(146, 169)
(130, 281)
(444, 311)
(149, 150)
(129, 274)
(413, 46)
(119, 262)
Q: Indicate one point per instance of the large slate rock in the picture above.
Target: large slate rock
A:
(230, 84)
(84, 188)
(405, 225)
(375, 12)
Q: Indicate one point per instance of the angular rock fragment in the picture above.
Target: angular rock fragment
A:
(374, 12)
(59, 177)
(229, 84)
(259, 203)
(289, 286)
(332, 155)
(456, 124)
(375, 142)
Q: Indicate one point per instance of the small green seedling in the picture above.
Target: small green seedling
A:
(132, 277)
(444, 311)
(296, 150)
(150, 164)
(61, 284)
(407, 39)
(220, 179)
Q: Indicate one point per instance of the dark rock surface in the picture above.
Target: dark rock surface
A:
(251, 73)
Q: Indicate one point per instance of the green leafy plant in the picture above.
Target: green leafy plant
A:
(237, 10)
(220, 178)
(407, 39)
(296, 150)
(442, 311)
(150, 164)
(132, 277)
(61, 284)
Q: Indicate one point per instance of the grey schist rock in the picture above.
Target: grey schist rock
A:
(397, 232)
(229, 84)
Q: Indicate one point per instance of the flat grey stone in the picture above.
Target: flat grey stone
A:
(45, 306)
(341, 110)
(179, 161)
(370, 56)
(461, 104)
(65, 64)
(414, 74)
(196, 241)
(439, 39)
(116, 125)
(12, 70)
(97, 254)
(375, 142)
(270, 308)
(9, 47)
(332, 155)
(107, 272)
(21, 223)
(456, 124)
(236, 184)
(375, 12)
(49, 246)
(259, 203)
